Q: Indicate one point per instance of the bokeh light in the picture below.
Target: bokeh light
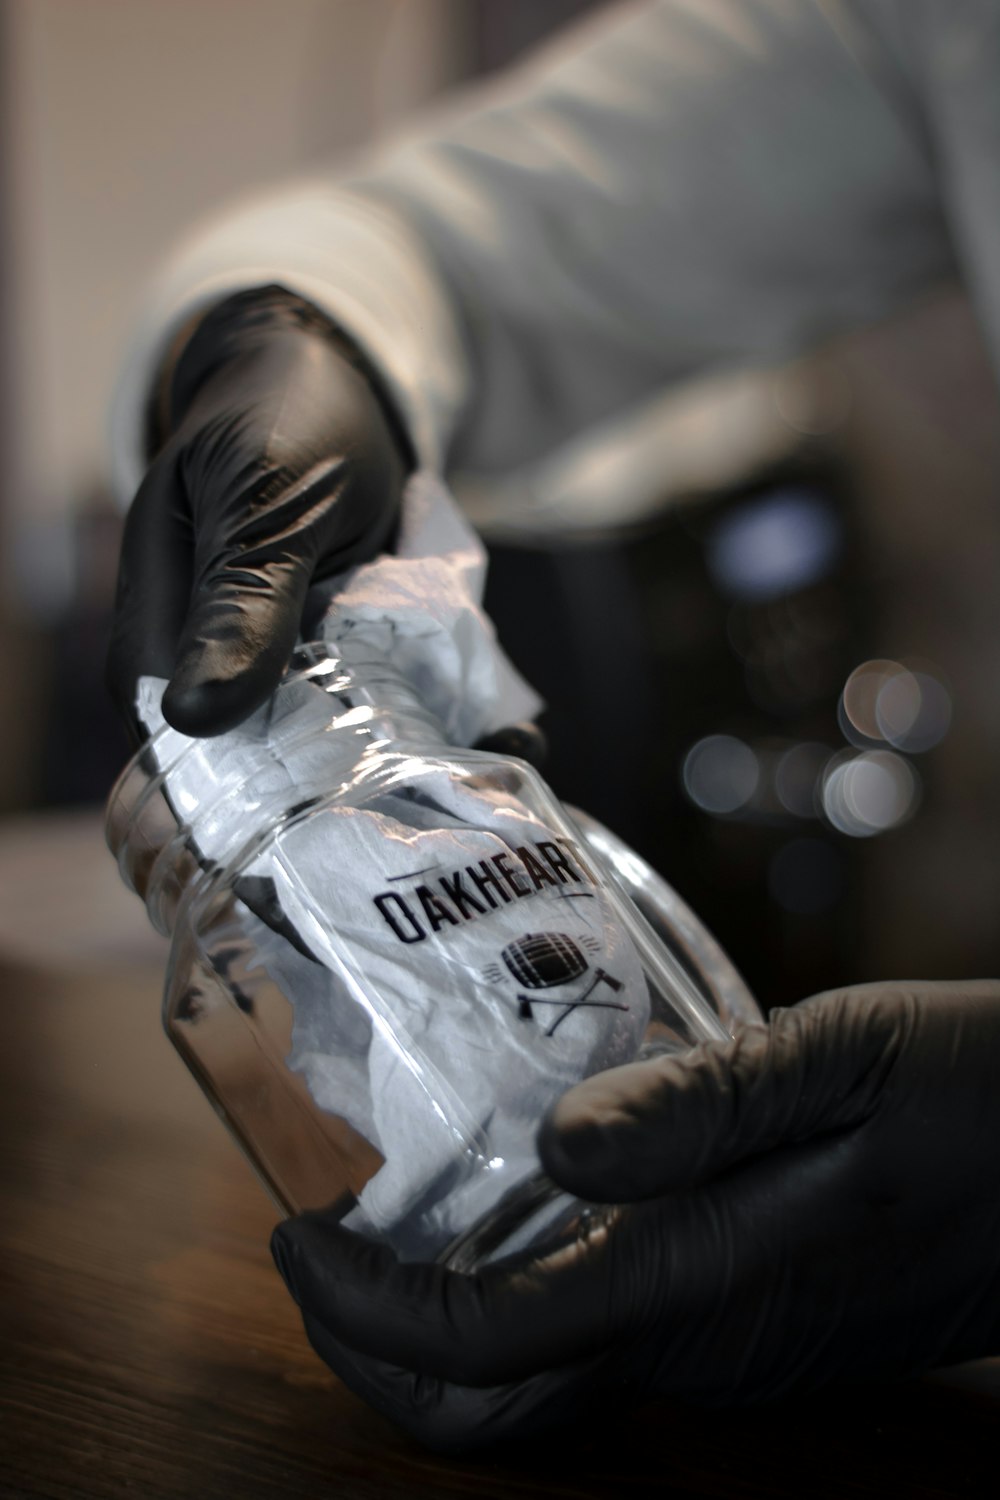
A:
(797, 777)
(868, 792)
(886, 700)
(913, 711)
(720, 774)
(775, 545)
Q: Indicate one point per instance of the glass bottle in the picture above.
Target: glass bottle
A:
(390, 955)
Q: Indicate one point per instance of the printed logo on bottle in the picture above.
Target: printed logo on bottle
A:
(433, 902)
(555, 969)
(553, 960)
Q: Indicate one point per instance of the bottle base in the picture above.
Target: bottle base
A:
(536, 1212)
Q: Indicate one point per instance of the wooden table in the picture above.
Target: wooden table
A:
(149, 1349)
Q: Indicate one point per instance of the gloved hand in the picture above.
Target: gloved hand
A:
(523, 739)
(281, 464)
(817, 1200)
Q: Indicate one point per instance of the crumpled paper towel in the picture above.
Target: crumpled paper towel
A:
(420, 606)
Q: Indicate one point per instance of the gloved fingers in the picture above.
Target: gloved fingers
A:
(246, 607)
(265, 532)
(524, 740)
(649, 1128)
(453, 1418)
(235, 644)
(154, 585)
(503, 1323)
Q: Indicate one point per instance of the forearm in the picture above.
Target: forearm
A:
(683, 188)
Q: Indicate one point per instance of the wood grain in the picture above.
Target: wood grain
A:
(149, 1348)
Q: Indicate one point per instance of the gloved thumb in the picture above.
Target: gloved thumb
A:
(240, 630)
(649, 1128)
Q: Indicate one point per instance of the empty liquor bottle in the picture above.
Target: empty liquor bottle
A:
(390, 954)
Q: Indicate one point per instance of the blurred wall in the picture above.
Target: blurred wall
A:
(128, 119)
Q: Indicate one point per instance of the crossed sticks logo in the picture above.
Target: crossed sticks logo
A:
(551, 960)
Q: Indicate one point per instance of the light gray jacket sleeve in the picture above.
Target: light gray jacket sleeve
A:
(677, 186)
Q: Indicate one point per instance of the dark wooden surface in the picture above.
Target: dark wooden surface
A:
(148, 1348)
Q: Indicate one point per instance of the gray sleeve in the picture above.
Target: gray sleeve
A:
(702, 184)
(676, 187)
(948, 77)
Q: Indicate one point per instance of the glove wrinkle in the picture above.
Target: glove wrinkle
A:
(154, 585)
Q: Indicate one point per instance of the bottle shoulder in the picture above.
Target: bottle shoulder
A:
(475, 770)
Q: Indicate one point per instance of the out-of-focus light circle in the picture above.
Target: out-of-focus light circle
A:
(913, 711)
(885, 700)
(797, 777)
(806, 877)
(868, 793)
(720, 774)
(859, 700)
(784, 541)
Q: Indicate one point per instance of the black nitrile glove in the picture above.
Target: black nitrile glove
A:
(817, 1201)
(281, 465)
(523, 739)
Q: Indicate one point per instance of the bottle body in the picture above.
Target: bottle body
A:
(389, 957)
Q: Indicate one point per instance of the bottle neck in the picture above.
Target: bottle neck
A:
(186, 808)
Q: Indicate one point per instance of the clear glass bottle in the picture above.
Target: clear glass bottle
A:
(390, 955)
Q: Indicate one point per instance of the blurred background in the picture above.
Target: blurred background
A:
(765, 614)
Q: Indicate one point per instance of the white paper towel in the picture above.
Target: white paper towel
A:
(420, 606)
